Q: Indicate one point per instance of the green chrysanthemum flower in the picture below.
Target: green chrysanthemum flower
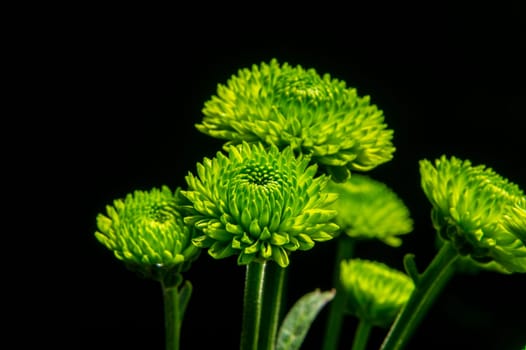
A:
(369, 209)
(374, 291)
(146, 231)
(258, 203)
(291, 106)
(477, 210)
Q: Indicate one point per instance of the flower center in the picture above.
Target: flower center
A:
(261, 177)
(159, 213)
(303, 88)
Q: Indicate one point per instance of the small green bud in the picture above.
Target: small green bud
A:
(146, 231)
(374, 292)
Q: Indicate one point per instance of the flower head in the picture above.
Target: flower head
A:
(374, 291)
(291, 106)
(258, 203)
(146, 231)
(369, 209)
(477, 210)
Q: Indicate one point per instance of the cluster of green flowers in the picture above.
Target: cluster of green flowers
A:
(282, 182)
(263, 196)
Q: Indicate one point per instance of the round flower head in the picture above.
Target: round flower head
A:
(369, 209)
(258, 203)
(477, 210)
(374, 291)
(146, 231)
(291, 106)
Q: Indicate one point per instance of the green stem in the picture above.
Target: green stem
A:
(172, 316)
(252, 305)
(272, 301)
(427, 288)
(361, 335)
(345, 247)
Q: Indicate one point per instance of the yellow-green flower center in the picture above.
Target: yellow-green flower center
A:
(160, 213)
(260, 177)
(306, 88)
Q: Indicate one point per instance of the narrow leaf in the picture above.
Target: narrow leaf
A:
(300, 317)
(184, 296)
(410, 268)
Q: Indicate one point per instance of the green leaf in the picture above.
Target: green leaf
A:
(410, 267)
(300, 317)
(184, 296)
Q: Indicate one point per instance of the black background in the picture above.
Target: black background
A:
(450, 80)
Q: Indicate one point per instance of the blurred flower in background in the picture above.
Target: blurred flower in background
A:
(369, 209)
(374, 292)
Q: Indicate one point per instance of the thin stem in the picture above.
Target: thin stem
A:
(361, 335)
(345, 247)
(252, 305)
(172, 316)
(428, 287)
(272, 301)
